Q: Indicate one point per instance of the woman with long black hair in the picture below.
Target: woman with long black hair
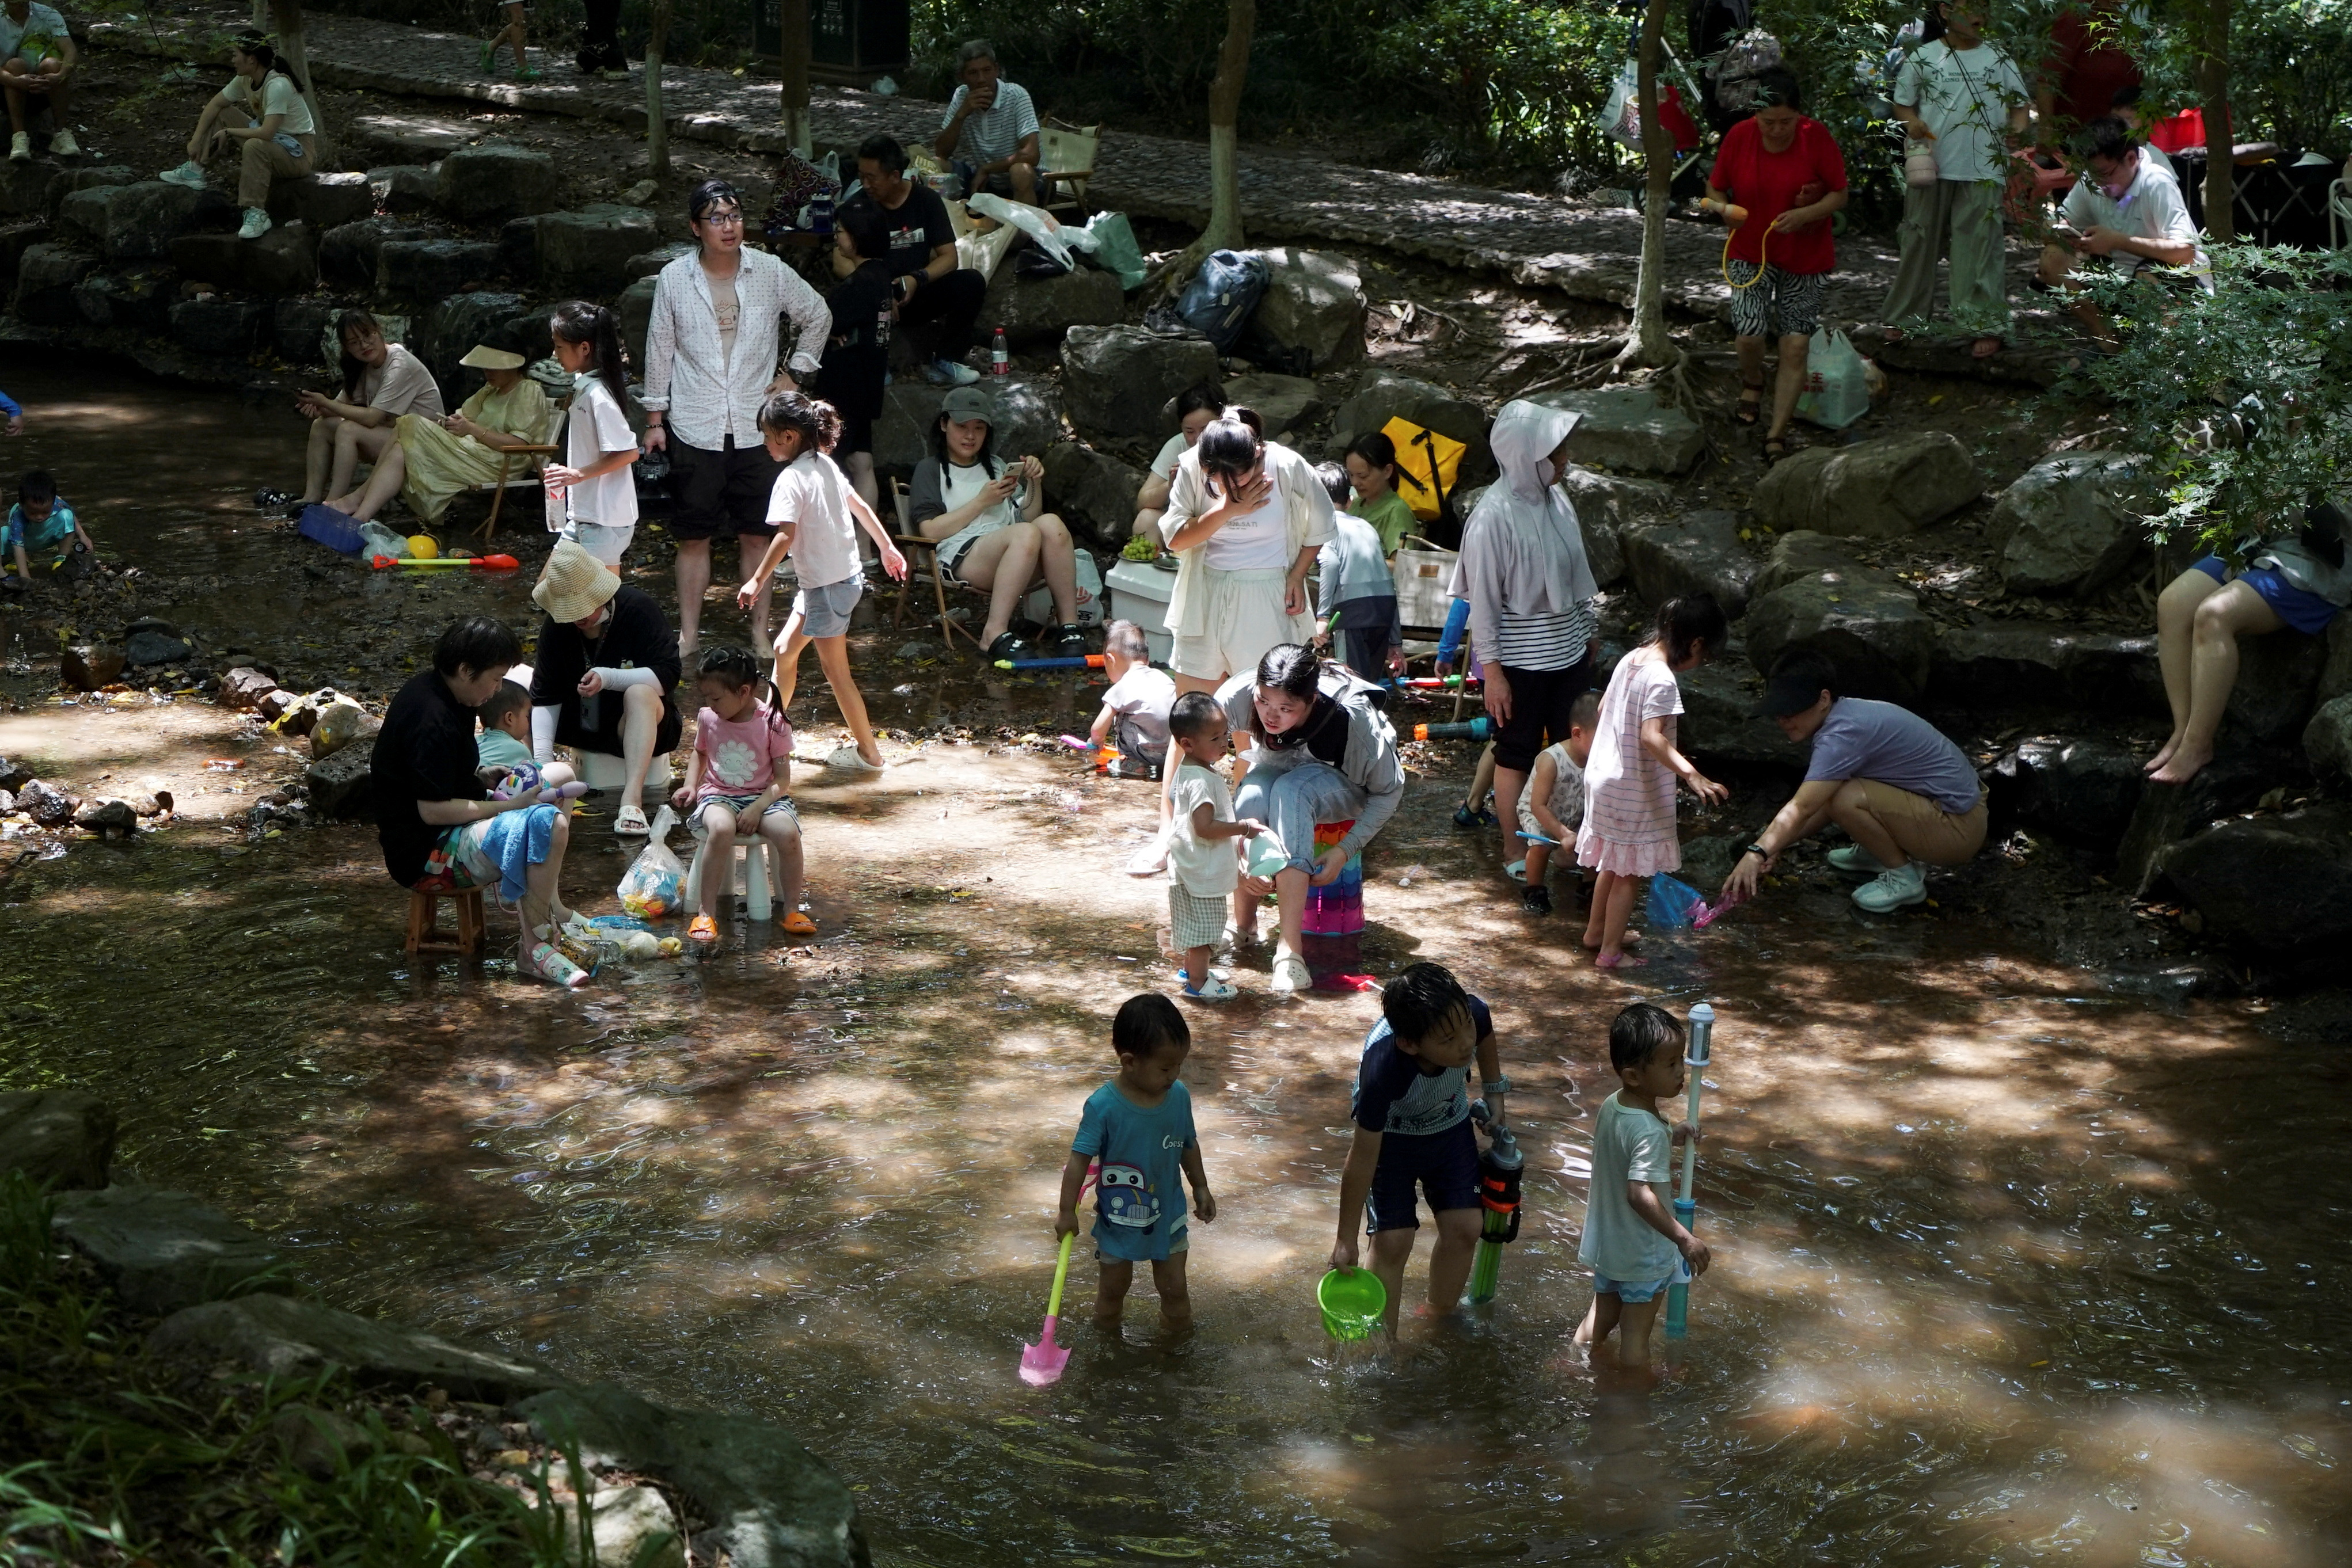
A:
(262, 112)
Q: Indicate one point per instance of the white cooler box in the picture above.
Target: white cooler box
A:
(1139, 592)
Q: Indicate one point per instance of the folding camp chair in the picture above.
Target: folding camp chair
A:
(1066, 157)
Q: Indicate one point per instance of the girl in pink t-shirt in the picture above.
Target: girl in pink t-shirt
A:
(1629, 779)
(735, 784)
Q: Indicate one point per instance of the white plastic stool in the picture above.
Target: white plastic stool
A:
(751, 877)
(603, 770)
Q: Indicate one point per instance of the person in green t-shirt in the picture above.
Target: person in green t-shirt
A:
(1372, 474)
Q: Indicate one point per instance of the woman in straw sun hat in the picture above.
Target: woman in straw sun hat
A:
(433, 457)
(607, 675)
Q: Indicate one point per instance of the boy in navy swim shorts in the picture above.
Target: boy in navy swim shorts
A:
(1412, 1130)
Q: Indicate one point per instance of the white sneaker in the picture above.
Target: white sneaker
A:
(1212, 989)
(189, 173)
(1854, 861)
(256, 224)
(1892, 890)
(20, 148)
(947, 373)
(1291, 972)
(64, 146)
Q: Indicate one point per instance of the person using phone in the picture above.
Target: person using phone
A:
(989, 517)
(2125, 215)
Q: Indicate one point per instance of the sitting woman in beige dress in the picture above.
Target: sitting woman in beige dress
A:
(432, 460)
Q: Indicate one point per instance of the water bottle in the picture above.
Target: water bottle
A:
(1000, 364)
(820, 213)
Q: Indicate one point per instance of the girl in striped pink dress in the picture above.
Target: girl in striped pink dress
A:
(1629, 781)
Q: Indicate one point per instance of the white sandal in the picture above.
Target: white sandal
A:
(629, 822)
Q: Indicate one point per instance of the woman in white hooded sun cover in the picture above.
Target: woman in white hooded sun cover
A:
(1530, 588)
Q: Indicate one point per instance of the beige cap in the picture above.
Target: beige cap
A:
(574, 584)
(482, 356)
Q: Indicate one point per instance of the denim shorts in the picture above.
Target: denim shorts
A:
(2301, 609)
(1633, 1295)
(1444, 1166)
(824, 610)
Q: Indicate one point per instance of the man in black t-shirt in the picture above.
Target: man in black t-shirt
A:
(929, 286)
(857, 352)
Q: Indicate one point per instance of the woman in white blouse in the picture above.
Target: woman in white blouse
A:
(1245, 519)
(276, 137)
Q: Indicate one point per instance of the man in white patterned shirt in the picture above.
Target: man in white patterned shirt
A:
(714, 352)
(991, 130)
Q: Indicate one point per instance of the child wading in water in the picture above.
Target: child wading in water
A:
(1629, 779)
(1140, 1126)
(817, 516)
(1412, 1130)
(1203, 866)
(735, 785)
(1553, 802)
(1633, 1243)
(591, 498)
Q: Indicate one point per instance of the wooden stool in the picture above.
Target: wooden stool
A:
(425, 932)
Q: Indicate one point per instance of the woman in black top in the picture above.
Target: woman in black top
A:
(606, 674)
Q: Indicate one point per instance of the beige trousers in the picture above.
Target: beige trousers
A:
(262, 163)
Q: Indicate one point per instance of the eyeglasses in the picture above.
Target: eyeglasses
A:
(730, 219)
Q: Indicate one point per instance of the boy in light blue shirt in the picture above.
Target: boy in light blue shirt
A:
(505, 741)
(1632, 1242)
(42, 525)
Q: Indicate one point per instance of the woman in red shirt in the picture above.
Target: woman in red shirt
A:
(1787, 172)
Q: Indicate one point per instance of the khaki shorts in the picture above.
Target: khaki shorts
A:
(1924, 829)
(1244, 618)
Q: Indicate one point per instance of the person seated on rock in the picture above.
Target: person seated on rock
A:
(1196, 406)
(2301, 581)
(37, 67)
(277, 139)
(382, 382)
(430, 461)
(41, 523)
(931, 289)
(2123, 213)
(1902, 792)
(607, 673)
(440, 829)
(989, 133)
(993, 531)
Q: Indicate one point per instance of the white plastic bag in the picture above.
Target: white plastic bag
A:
(650, 890)
(1837, 381)
(1039, 225)
(1620, 117)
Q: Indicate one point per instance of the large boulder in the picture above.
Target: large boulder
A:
(283, 261)
(422, 269)
(401, 187)
(138, 222)
(2277, 685)
(771, 1500)
(140, 302)
(347, 255)
(1383, 395)
(2280, 887)
(296, 326)
(1037, 311)
(1314, 301)
(1606, 504)
(286, 1339)
(1869, 625)
(2072, 523)
(45, 278)
(2009, 663)
(149, 646)
(1281, 402)
(64, 1137)
(648, 264)
(25, 189)
(1697, 553)
(1091, 490)
(635, 309)
(2168, 813)
(63, 182)
(1117, 378)
(1879, 489)
(323, 201)
(418, 138)
(588, 251)
(1719, 721)
(218, 328)
(340, 783)
(449, 332)
(2084, 787)
(161, 1250)
(2327, 738)
(496, 181)
(1628, 428)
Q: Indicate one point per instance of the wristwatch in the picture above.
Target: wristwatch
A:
(1758, 851)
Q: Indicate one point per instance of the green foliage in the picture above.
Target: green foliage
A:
(2291, 71)
(1512, 83)
(2242, 397)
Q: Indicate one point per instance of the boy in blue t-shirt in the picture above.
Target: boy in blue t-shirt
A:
(44, 525)
(1413, 1128)
(1140, 1126)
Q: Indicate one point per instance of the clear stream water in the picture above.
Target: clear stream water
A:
(2009, 1268)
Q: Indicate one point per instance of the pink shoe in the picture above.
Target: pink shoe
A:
(1623, 961)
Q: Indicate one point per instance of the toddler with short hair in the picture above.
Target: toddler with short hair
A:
(1552, 804)
(1632, 1242)
(504, 744)
(1203, 867)
(1134, 714)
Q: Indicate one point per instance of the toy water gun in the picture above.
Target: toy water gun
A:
(475, 562)
(1436, 683)
(1501, 1170)
(1468, 729)
(1698, 1047)
(1074, 662)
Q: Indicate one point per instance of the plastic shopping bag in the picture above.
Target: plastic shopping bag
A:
(1039, 225)
(651, 889)
(1837, 381)
(1115, 249)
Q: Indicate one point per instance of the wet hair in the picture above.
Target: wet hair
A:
(2106, 137)
(869, 236)
(477, 643)
(734, 667)
(708, 195)
(1775, 87)
(1684, 621)
(1195, 713)
(1335, 480)
(510, 696)
(347, 323)
(1584, 712)
(37, 486)
(1377, 451)
(1420, 1001)
(818, 422)
(1230, 446)
(579, 321)
(976, 49)
(1149, 1023)
(1126, 637)
(884, 151)
(1638, 1034)
(1293, 669)
(1198, 396)
(939, 448)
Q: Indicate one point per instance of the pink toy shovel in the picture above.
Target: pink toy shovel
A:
(1042, 1363)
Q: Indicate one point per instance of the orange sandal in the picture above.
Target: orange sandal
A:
(704, 929)
(799, 924)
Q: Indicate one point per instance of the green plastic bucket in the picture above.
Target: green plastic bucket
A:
(1352, 1301)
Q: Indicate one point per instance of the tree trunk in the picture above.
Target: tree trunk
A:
(2209, 40)
(656, 122)
(1224, 230)
(263, 22)
(794, 50)
(296, 54)
(1649, 343)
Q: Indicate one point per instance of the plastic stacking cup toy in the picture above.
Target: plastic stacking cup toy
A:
(1352, 1301)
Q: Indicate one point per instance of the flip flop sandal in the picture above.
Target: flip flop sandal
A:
(1623, 961)
(1751, 404)
(799, 924)
(704, 929)
(629, 822)
(1775, 448)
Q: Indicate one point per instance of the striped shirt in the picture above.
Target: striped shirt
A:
(994, 133)
(1548, 641)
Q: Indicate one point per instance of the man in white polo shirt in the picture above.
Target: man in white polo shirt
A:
(2125, 211)
(991, 130)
